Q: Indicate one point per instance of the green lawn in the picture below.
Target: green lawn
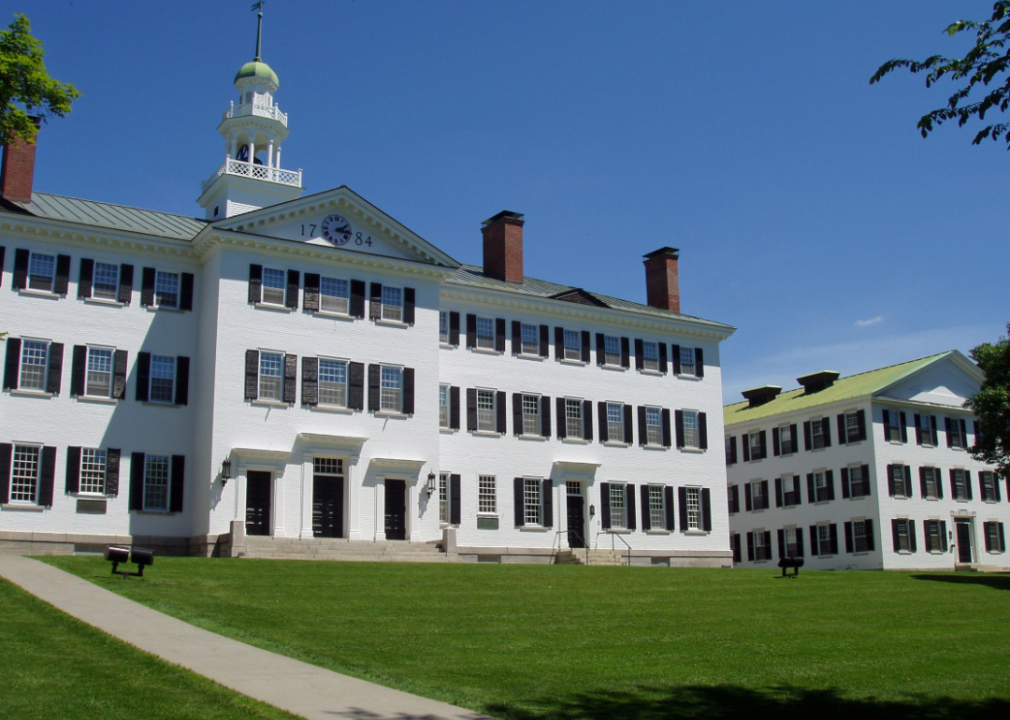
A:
(57, 668)
(562, 642)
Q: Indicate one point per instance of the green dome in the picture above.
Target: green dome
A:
(258, 70)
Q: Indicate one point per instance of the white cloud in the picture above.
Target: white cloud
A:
(871, 321)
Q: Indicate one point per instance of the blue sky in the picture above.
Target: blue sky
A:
(809, 212)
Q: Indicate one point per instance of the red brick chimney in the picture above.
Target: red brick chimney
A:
(662, 281)
(503, 246)
(18, 169)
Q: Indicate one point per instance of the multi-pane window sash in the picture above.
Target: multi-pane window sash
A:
(531, 415)
(824, 539)
(926, 430)
(485, 333)
(693, 508)
(894, 426)
(654, 426)
(617, 506)
(443, 327)
(790, 491)
(486, 410)
(858, 485)
(392, 303)
(25, 473)
(690, 428)
(792, 546)
(93, 462)
(787, 443)
(334, 295)
(821, 487)
(99, 379)
(573, 345)
(274, 284)
(960, 485)
(271, 376)
(530, 339)
(443, 406)
(105, 281)
(166, 289)
(443, 498)
(686, 360)
(987, 480)
(761, 551)
(860, 543)
(650, 356)
(332, 382)
(612, 350)
(487, 495)
(754, 439)
(930, 479)
(531, 501)
(757, 495)
(392, 385)
(615, 421)
(657, 508)
(904, 541)
(934, 541)
(41, 272)
(162, 379)
(851, 427)
(994, 540)
(573, 418)
(34, 358)
(817, 428)
(156, 482)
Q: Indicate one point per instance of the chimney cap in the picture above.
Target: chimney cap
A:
(503, 215)
(664, 252)
(761, 395)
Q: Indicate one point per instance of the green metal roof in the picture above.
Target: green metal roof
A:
(845, 388)
(259, 70)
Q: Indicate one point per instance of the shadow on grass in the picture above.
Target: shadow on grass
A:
(996, 582)
(727, 701)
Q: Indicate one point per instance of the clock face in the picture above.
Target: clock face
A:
(337, 230)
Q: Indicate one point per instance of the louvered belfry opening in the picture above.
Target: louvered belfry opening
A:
(662, 279)
(503, 246)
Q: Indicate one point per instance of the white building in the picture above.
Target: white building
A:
(865, 472)
(305, 375)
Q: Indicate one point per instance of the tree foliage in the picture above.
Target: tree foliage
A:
(983, 68)
(991, 405)
(26, 89)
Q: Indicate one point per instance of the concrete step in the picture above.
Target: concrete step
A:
(338, 549)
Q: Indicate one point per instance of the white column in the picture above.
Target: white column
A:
(353, 498)
(270, 153)
(231, 146)
(305, 522)
(277, 157)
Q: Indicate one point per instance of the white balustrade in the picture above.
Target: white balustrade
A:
(272, 112)
(259, 172)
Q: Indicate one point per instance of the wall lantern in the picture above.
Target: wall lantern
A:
(592, 511)
(431, 484)
(225, 472)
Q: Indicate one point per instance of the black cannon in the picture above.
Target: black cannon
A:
(140, 557)
(791, 562)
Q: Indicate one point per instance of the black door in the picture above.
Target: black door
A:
(257, 503)
(576, 523)
(327, 506)
(396, 510)
(963, 542)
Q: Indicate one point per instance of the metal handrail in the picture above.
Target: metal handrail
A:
(557, 540)
(612, 546)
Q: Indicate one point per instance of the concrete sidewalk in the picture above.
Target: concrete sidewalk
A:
(294, 686)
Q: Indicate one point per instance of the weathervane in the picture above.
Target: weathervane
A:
(258, 5)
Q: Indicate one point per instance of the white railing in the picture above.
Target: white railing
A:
(273, 112)
(258, 172)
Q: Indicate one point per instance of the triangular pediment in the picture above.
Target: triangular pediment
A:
(947, 381)
(340, 219)
(579, 296)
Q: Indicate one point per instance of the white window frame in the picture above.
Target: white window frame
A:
(105, 281)
(987, 483)
(657, 507)
(653, 426)
(332, 393)
(487, 407)
(991, 530)
(611, 351)
(443, 405)
(93, 468)
(26, 471)
(860, 542)
(574, 422)
(754, 443)
(824, 540)
(392, 303)
(443, 327)
(443, 498)
(692, 435)
(163, 292)
(894, 426)
(758, 498)
(165, 392)
(955, 434)
(618, 506)
(531, 414)
(896, 479)
(904, 536)
(786, 435)
(790, 540)
(694, 520)
(650, 355)
(485, 333)
(274, 285)
(856, 476)
(30, 369)
(391, 388)
(529, 337)
(960, 485)
(487, 495)
(334, 295)
(688, 361)
(762, 552)
(37, 280)
(932, 476)
(926, 431)
(573, 345)
(789, 481)
(532, 505)
(851, 427)
(821, 486)
(271, 376)
(818, 430)
(95, 375)
(157, 494)
(929, 526)
(615, 422)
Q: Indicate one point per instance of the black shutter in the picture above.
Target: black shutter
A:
(310, 377)
(455, 515)
(291, 295)
(829, 479)
(643, 430)
(601, 349)
(605, 505)
(147, 286)
(775, 442)
(894, 534)
(499, 334)
(676, 359)
(54, 376)
(887, 425)
(78, 370)
(500, 413)
(20, 281)
(948, 432)
(629, 494)
(904, 426)
(125, 284)
(745, 443)
(678, 422)
(252, 374)
(375, 301)
(178, 477)
(907, 473)
(47, 474)
(144, 375)
(662, 358)
(814, 550)
(358, 298)
(112, 472)
(667, 440)
(517, 337)
(866, 480)
(454, 407)
(706, 509)
(310, 301)
(137, 481)
(562, 425)
(699, 363)
(668, 498)
(922, 482)
(985, 531)
(918, 429)
(545, 341)
(646, 513)
(892, 480)
(85, 277)
(471, 330)
(639, 364)
(290, 378)
(1002, 538)
(868, 524)
(585, 346)
(833, 535)
(587, 419)
(967, 482)
(703, 431)
(848, 537)
(794, 438)
(547, 498)
(471, 409)
(604, 427)
(843, 437)
(964, 434)
(73, 470)
(845, 482)
(6, 450)
(454, 329)
(911, 534)
(861, 421)
(182, 380)
(559, 343)
(625, 352)
(778, 492)
(629, 430)
(935, 440)
(682, 502)
(750, 547)
(762, 436)
(186, 292)
(943, 535)
(811, 492)
(748, 503)
(2, 251)
(120, 359)
(953, 490)
(356, 386)
(409, 304)
(764, 492)
(807, 443)
(734, 498)
(408, 391)
(62, 280)
(545, 416)
(518, 499)
(374, 387)
(826, 428)
(781, 537)
(517, 414)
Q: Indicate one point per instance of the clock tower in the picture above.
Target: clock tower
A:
(253, 128)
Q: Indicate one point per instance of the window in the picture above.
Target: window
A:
(391, 387)
(860, 536)
(955, 437)
(443, 406)
(733, 493)
(573, 418)
(156, 482)
(930, 483)
(162, 379)
(787, 443)
(758, 496)
(443, 498)
(332, 382)
(896, 481)
(486, 410)
(821, 489)
(93, 464)
(990, 490)
(790, 491)
(99, 377)
(959, 484)
(105, 281)
(653, 426)
(756, 446)
(687, 361)
(995, 540)
(657, 508)
(573, 345)
(618, 516)
(487, 494)
(443, 327)
(694, 508)
(531, 501)
(859, 482)
(334, 295)
(25, 473)
(530, 339)
(271, 379)
(41, 272)
(274, 285)
(762, 551)
(531, 414)
(791, 544)
(612, 350)
(818, 432)
(392, 303)
(902, 536)
(650, 356)
(34, 360)
(691, 429)
(924, 429)
(615, 422)
(851, 427)
(485, 333)
(824, 541)
(935, 540)
(166, 289)
(893, 425)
